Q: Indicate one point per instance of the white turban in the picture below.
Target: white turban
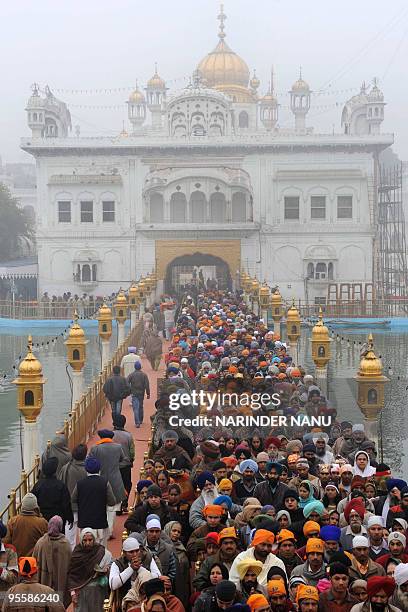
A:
(397, 536)
(130, 544)
(401, 573)
(375, 520)
(360, 542)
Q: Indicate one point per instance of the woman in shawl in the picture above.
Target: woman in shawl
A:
(53, 554)
(362, 465)
(87, 579)
(132, 601)
(173, 529)
(59, 449)
(243, 520)
(306, 493)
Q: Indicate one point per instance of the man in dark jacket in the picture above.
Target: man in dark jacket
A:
(153, 505)
(139, 386)
(116, 388)
(90, 499)
(173, 455)
(271, 491)
(125, 439)
(52, 494)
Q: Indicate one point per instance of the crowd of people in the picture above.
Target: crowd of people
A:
(244, 519)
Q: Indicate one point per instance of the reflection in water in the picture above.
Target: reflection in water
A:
(57, 393)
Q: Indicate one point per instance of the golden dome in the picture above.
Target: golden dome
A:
(320, 331)
(276, 298)
(156, 82)
(104, 312)
(255, 82)
(293, 313)
(300, 84)
(264, 291)
(30, 366)
(76, 332)
(136, 96)
(121, 298)
(224, 70)
(370, 364)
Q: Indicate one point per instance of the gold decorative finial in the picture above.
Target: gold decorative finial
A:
(221, 18)
(30, 343)
(75, 316)
(370, 341)
(300, 73)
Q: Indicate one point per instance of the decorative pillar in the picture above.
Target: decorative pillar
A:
(153, 278)
(255, 296)
(30, 387)
(142, 291)
(293, 330)
(133, 305)
(148, 289)
(76, 355)
(321, 351)
(264, 302)
(105, 331)
(277, 311)
(121, 315)
(370, 390)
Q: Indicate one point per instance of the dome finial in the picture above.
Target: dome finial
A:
(222, 17)
(30, 343)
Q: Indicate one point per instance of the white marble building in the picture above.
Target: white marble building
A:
(208, 172)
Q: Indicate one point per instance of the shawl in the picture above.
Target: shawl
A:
(304, 502)
(82, 566)
(132, 597)
(72, 472)
(247, 514)
(368, 470)
(53, 554)
(60, 450)
(153, 346)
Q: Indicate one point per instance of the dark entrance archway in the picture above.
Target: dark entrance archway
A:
(197, 271)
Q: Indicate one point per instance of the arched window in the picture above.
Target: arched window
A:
(321, 270)
(310, 270)
(86, 273)
(198, 206)
(330, 271)
(238, 206)
(75, 355)
(178, 208)
(243, 119)
(217, 208)
(156, 208)
(29, 398)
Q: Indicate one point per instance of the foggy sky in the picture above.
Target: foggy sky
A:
(91, 44)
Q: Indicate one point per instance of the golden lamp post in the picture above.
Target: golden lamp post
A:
(255, 296)
(264, 297)
(370, 390)
(30, 389)
(293, 330)
(320, 341)
(121, 307)
(105, 331)
(276, 304)
(133, 304)
(76, 355)
(141, 287)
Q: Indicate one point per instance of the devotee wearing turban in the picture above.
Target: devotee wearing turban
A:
(126, 570)
(337, 596)
(153, 504)
(258, 603)
(245, 487)
(330, 534)
(248, 571)
(287, 550)
(361, 565)
(379, 590)
(307, 598)
(52, 494)
(271, 491)
(261, 550)
(227, 552)
(400, 596)
(354, 515)
(314, 568)
(212, 514)
(206, 483)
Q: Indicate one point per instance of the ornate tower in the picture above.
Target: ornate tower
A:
(76, 349)
(156, 98)
(375, 109)
(136, 109)
(269, 107)
(300, 102)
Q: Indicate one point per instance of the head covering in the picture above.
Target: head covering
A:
(295, 580)
(261, 536)
(313, 506)
(142, 484)
(212, 536)
(130, 544)
(153, 524)
(55, 525)
(106, 433)
(310, 527)
(27, 566)
(225, 590)
(346, 467)
(375, 584)
(262, 456)
(170, 434)
(355, 504)
(357, 427)
(314, 545)
(243, 566)
(401, 574)
(225, 483)
(228, 532)
(214, 509)
(274, 464)
(360, 542)
(358, 584)
(368, 470)
(276, 587)
(257, 601)
(132, 349)
(397, 536)
(330, 533)
(153, 587)
(284, 513)
(393, 483)
(153, 491)
(284, 535)
(305, 591)
(223, 499)
(50, 466)
(138, 365)
(203, 478)
(248, 464)
(92, 465)
(401, 522)
(375, 520)
(29, 504)
(337, 568)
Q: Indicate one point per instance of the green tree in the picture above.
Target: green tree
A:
(14, 225)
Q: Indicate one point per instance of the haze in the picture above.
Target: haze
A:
(110, 43)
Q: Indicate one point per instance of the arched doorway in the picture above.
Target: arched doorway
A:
(197, 271)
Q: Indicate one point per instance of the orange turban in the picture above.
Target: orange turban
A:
(27, 566)
(284, 535)
(230, 462)
(228, 532)
(213, 509)
(311, 527)
(305, 591)
(257, 601)
(225, 484)
(261, 536)
(314, 545)
(276, 587)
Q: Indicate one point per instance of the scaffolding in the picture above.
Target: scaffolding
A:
(392, 275)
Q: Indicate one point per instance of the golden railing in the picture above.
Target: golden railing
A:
(33, 309)
(80, 424)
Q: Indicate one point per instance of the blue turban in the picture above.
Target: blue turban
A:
(203, 477)
(138, 365)
(92, 465)
(223, 499)
(395, 482)
(274, 464)
(330, 533)
(248, 464)
(313, 506)
(142, 484)
(106, 433)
